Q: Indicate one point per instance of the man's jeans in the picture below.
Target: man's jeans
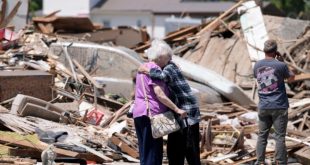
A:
(278, 119)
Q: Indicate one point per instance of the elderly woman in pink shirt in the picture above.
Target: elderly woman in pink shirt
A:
(150, 149)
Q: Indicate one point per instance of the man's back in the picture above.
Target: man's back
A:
(270, 75)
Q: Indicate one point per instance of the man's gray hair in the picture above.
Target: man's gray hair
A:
(158, 48)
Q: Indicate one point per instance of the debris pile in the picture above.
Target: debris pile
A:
(64, 93)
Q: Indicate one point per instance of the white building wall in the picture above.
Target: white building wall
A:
(159, 28)
(68, 7)
(155, 24)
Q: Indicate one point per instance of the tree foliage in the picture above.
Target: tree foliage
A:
(35, 5)
(293, 8)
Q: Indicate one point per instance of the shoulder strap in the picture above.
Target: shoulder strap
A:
(145, 97)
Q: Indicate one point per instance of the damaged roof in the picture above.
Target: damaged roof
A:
(171, 6)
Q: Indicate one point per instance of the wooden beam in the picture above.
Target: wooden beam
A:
(302, 155)
(124, 147)
(214, 24)
(52, 14)
(30, 153)
(3, 10)
(83, 71)
(42, 146)
(294, 113)
(46, 28)
(171, 36)
(8, 19)
(297, 133)
(301, 77)
(105, 158)
(19, 161)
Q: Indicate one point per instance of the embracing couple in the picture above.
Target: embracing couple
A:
(166, 89)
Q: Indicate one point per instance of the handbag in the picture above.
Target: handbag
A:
(161, 124)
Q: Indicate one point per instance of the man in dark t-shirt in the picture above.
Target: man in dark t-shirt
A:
(273, 102)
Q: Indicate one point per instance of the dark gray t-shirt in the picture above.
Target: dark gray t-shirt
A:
(270, 75)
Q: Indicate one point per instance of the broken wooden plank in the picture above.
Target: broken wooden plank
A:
(52, 14)
(29, 153)
(297, 140)
(301, 77)
(114, 105)
(208, 136)
(214, 24)
(302, 124)
(171, 36)
(239, 144)
(74, 24)
(297, 133)
(3, 10)
(294, 113)
(300, 103)
(107, 159)
(26, 144)
(116, 115)
(220, 158)
(124, 146)
(302, 155)
(19, 161)
(83, 71)
(45, 28)
(11, 15)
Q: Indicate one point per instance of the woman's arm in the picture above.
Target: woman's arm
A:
(167, 102)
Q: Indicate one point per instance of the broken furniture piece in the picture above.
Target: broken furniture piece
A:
(30, 106)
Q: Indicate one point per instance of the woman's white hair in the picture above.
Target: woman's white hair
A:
(158, 48)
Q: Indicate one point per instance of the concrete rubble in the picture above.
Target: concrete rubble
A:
(64, 88)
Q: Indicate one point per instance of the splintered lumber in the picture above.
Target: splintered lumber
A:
(46, 29)
(299, 103)
(297, 140)
(116, 115)
(27, 144)
(294, 113)
(208, 136)
(11, 15)
(239, 144)
(3, 109)
(34, 154)
(83, 71)
(297, 133)
(220, 158)
(107, 159)
(172, 36)
(81, 24)
(3, 10)
(124, 146)
(114, 105)
(205, 154)
(301, 77)
(52, 14)
(302, 155)
(214, 24)
(19, 161)
(65, 49)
